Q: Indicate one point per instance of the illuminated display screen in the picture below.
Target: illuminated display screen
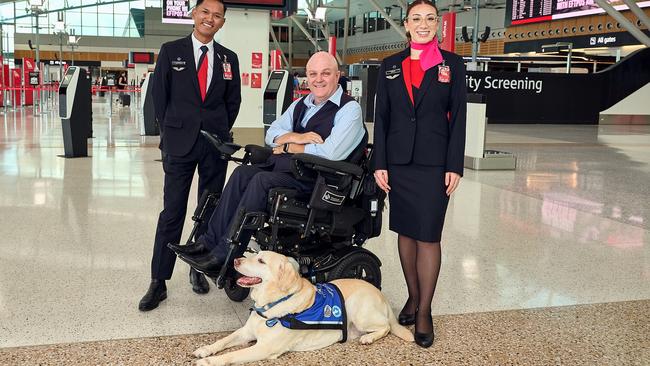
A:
(68, 76)
(274, 84)
(535, 11)
(179, 11)
(141, 57)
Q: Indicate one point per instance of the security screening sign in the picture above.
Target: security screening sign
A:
(480, 84)
(537, 97)
(177, 11)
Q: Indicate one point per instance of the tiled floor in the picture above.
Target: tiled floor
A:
(569, 227)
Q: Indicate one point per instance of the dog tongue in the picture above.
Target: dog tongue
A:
(248, 281)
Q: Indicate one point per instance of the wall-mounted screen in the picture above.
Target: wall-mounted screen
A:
(141, 57)
(534, 11)
(179, 11)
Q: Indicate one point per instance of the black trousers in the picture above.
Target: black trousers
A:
(248, 188)
(179, 172)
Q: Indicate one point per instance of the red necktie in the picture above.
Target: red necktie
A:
(203, 72)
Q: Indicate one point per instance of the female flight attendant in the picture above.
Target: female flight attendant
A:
(419, 145)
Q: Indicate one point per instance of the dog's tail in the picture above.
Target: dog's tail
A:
(397, 329)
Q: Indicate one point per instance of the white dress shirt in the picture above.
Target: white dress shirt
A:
(197, 55)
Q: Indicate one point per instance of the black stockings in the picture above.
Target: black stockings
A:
(421, 265)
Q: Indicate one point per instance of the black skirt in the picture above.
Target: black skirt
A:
(417, 200)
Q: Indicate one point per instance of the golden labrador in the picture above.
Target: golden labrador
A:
(275, 282)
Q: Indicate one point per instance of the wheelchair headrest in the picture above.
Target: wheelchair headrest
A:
(357, 154)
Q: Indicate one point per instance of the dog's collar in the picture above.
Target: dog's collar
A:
(268, 306)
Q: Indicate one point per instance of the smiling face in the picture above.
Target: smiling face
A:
(422, 23)
(208, 19)
(322, 76)
(256, 269)
(266, 269)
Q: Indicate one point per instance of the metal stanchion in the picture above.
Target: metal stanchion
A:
(110, 102)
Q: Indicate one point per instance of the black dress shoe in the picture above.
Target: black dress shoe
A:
(199, 283)
(192, 249)
(406, 319)
(157, 292)
(204, 262)
(424, 340)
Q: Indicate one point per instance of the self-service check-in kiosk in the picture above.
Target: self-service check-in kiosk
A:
(476, 157)
(149, 125)
(277, 97)
(75, 112)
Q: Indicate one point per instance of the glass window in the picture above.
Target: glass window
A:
(121, 8)
(121, 21)
(73, 19)
(21, 8)
(105, 31)
(6, 10)
(372, 21)
(139, 4)
(105, 9)
(89, 30)
(104, 19)
(55, 4)
(89, 16)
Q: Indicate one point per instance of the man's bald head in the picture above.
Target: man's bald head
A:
(322, 76)
(322, 57)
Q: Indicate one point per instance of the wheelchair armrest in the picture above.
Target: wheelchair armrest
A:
(257, 154)
(325, 165)
(226, 148)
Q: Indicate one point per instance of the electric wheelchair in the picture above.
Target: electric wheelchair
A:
(323, 231)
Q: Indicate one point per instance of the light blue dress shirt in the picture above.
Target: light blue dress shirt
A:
(346, 134)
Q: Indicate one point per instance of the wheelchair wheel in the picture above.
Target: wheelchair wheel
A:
(234, 291)
(358, 265)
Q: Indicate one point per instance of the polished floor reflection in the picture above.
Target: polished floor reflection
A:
(570, 226)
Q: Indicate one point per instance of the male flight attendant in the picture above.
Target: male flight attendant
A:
(196, 87)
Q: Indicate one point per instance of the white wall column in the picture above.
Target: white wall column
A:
(245, 32)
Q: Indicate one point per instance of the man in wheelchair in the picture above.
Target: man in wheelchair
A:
(326, 124)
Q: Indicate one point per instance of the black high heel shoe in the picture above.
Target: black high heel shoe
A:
(424, 340)
(406, 319)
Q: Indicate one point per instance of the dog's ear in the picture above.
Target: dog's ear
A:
(287, 276)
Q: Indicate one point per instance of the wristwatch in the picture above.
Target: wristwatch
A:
(285, 148)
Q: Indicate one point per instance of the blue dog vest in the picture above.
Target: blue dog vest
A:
(327, 312)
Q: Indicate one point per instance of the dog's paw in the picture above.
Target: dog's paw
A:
(203, 362)
(210, 361)
(366, 339)
(203, 352)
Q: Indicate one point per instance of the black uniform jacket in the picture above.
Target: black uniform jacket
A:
(429, 130)
(177, 99)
